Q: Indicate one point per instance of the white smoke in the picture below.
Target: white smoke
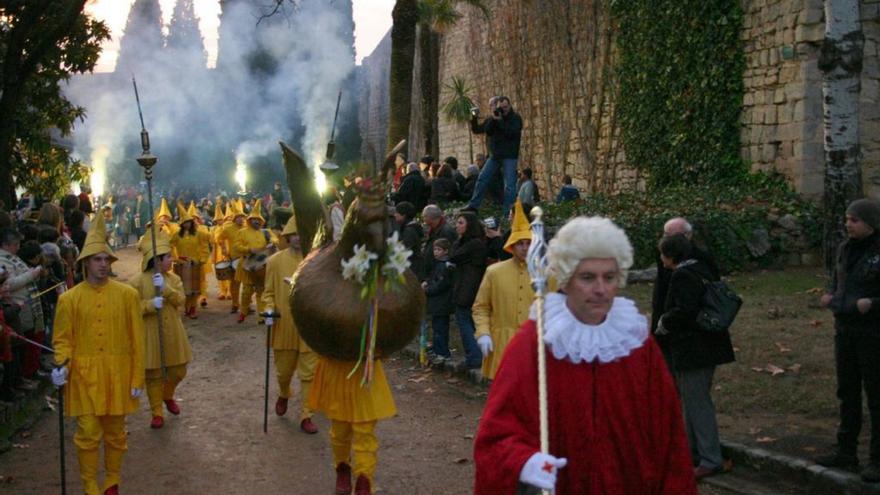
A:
(202, 122)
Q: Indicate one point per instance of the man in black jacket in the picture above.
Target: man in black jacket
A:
(438, 228)
(503, 133)
(854, 298)
(412, 188)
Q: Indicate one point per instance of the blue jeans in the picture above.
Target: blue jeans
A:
(466, 328)
(440, 328)
(508, 172)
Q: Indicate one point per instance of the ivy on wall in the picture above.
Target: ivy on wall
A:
(680, 71)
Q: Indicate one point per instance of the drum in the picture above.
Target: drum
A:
(257, 262)
(190, 273)
(224, 270)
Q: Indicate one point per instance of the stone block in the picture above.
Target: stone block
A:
(788, 36)
(798, 114)
(779, 96)
(795, 90)
(774, 52)
(748, 99)
(768, 152)
(783, 112)
(770, 115)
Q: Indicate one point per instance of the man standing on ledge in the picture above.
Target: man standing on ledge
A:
(503, 132)
(99, 338)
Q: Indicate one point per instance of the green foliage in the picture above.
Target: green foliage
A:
(458, 104)
(680, 67)
(724, 217)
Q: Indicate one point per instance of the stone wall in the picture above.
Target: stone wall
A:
(372, 83)
(553, 60)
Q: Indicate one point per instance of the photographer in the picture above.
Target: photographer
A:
(503, 132)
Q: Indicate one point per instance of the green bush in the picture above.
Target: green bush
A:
(724, 217)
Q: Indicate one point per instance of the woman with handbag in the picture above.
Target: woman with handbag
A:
(692, 352)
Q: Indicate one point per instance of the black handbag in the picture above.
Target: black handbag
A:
(718, 308)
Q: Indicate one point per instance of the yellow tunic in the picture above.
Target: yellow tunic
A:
(247, 238)
(344, 399)
(226, 237)
(175, 341)
(502, 304)
(187, 246)
(205, 241)
(100, 330)
(281, 265)
(220, 251)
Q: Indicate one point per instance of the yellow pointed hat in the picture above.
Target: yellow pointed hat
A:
(237, 209)
(164, 211)
(290, 226)
(163, 246)
(218, 212)
(520, 229)
(96, 240)
(193, 211)
(183, 214)
(257, 212)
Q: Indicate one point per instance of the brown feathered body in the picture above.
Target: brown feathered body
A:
(328, 310)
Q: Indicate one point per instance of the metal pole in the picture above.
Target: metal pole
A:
(267, 316)
(147, 161)
(61, 432)
(537, 265)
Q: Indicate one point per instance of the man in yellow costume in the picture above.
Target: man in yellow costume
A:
(505, 296)
(353, 410)
(206, 240)
(291, 352)
(99, 340)
(220, 251)
(187, 245)
(226, 239)
(175, 342)
(252, 239)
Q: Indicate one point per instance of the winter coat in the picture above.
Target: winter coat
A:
(661, 284)
(856, 276)
(440, 289)
(412, 189)
(444, 231)
(469, 257)
(411, 236)
(567, 193)
(686, 346)
(444, 190)
(502, 136)
(467, 190)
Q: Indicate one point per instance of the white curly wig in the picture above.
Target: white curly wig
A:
(593, 237)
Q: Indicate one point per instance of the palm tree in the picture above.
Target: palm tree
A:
(435, 18)
(458, 106)
(404, 17)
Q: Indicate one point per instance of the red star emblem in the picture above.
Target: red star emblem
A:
(547, 467)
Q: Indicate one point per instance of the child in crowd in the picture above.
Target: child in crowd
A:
(438, 288)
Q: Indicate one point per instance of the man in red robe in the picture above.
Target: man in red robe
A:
(615, 424)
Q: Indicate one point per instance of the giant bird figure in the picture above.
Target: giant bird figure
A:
(327, 309)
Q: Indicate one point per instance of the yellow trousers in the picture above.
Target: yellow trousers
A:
(224, 288)
(192, 301)
(90, 430)
(247, 292)
(360, 438)
(235, 289)
(159, 389)
(203, 283)
(303, 363)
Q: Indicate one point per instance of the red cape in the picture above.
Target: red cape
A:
(619, 424)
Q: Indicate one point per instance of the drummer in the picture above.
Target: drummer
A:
(226, 238)
(205, 242)
(251, 240)
(219, 252)
(187, 244)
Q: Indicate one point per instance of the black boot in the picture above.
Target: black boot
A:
(838, 459)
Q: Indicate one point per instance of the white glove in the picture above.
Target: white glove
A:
(158, 281)
(136, 393)
(59, 376)
(269, 321)
(486, 345)
(540, 470)
(158, 301)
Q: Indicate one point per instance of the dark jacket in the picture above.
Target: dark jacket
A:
(444, 231)
(411, 236)
(459, 179)
(856, 276)
(502, 136)
(444, 190)
(567, 193)
(412, 189)
(687, 347)
(661, 284)
(469, 257)
(467, 190)
(439, 289)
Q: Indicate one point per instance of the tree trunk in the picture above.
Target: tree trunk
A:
(403, 32)
(840, 61)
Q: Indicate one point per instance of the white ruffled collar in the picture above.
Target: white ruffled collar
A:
(623, 330)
